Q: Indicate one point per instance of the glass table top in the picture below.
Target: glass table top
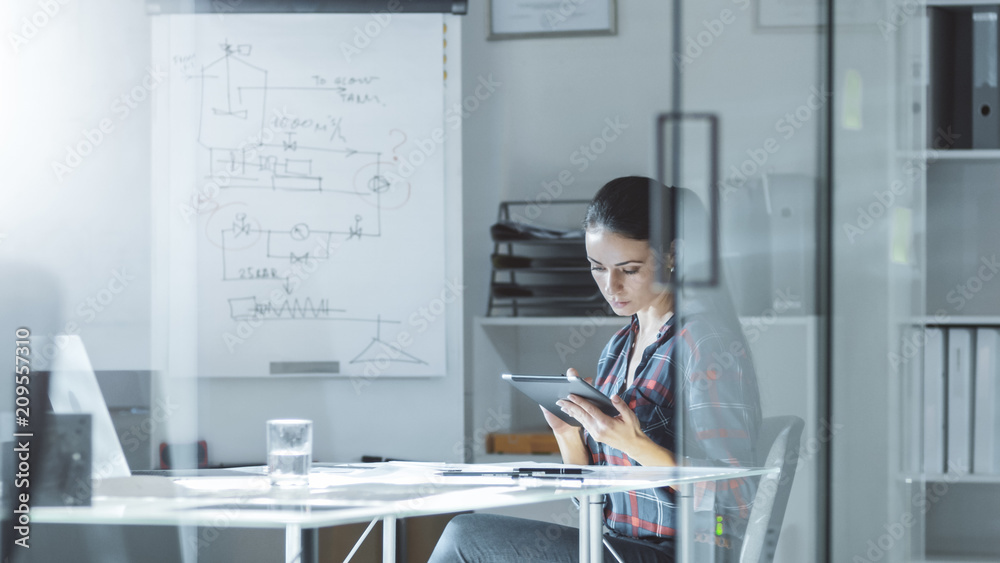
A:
(349, 493)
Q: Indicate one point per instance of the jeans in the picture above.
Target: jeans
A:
(487, 538)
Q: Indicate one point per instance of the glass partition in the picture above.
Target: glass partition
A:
(745, 137)
(76, 257)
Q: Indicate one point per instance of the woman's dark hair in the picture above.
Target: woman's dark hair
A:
(622, 207)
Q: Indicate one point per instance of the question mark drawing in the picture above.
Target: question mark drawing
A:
(394, 157)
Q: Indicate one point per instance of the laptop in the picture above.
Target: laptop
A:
(73, 389)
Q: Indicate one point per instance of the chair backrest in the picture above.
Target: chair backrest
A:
(777, 446)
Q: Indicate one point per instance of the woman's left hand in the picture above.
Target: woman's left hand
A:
(622, 432)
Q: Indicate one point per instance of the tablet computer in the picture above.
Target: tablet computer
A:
(547, 389)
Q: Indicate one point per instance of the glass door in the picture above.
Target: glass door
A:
(742, 147)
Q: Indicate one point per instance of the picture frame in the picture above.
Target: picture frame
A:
(517, 19)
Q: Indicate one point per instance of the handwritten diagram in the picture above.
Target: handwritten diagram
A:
(321, 227)
(380, 350)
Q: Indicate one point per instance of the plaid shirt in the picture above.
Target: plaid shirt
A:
(723, 414)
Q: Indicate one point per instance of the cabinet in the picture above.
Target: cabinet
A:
(955, 170)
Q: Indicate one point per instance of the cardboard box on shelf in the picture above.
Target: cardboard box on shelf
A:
(522, 443)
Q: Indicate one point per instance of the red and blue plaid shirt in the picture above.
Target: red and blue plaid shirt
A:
(722, 417)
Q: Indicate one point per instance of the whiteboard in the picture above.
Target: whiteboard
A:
(306, 152)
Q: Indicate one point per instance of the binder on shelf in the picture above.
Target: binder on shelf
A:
(985, 70)
(913, 412)
(986, 431)
(934, 401)
(959, 434)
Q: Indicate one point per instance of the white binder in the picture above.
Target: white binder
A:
(934, 401)
(913, 406)
(960, 358)
(986, 449)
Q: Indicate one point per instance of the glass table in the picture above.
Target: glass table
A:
(351, 493)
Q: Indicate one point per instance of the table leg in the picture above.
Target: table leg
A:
(401, 554)
(684, 497)
(591, 529)
(301, 545)
(310, 546)
(596, 509)
(293, 543)
(389, 539)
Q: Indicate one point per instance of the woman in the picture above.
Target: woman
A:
(638, 370)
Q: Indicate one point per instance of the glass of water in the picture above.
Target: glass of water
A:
(289, 452)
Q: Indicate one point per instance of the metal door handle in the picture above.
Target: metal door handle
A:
(663, 209)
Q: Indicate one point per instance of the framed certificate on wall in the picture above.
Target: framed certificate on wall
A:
(517, 19)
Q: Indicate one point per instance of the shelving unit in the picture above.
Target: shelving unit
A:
(930, 157)
(525, 345)
(967, 154)
(958, 320)
(957, 559)
(551, 344)
(961, 199)
(541, 270)
(951, 478)
(551, 321)
(957, 3)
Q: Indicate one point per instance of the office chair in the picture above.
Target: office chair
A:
(777, 446)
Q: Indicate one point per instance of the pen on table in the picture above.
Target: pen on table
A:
(519, 472)
(554, 470)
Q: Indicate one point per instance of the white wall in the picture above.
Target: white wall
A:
(94, 228)
(554, 96)
(89, 224)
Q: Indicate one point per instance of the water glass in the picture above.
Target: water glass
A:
(289, 452)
